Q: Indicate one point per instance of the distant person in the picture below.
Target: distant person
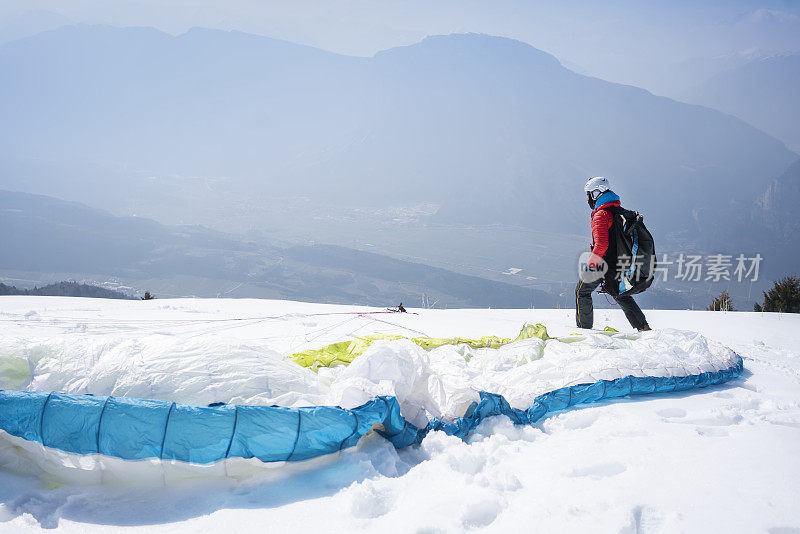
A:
(604, 204)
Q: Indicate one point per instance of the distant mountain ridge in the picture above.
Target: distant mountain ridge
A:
(48, 235)
(490, 128)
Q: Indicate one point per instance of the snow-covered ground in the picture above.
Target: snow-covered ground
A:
(721, 458)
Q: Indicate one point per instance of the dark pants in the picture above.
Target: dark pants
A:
(584, 309)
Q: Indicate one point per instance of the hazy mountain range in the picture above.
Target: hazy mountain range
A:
(493, 129)
(268, 138)
(660, 47)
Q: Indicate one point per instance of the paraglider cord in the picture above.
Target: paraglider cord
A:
(394, 324)
(605, 293)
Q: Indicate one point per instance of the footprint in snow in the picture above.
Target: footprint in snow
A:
(644, 519)
(783, 421)
(480, 514)
(576, 420)
(599, 471)
(726, 418)
(712, 432)
(672, 413)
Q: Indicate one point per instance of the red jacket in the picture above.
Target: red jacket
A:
(601, 226)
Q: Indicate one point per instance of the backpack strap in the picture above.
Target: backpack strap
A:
(629, 219)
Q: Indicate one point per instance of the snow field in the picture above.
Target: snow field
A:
(722, 458)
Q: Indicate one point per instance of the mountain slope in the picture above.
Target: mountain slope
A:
(67, 289)
(779, 201)
(762, 92)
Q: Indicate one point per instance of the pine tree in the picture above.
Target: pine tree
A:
(722, 303)
(783, 297)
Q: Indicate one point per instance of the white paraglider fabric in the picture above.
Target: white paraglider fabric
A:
(439, 383)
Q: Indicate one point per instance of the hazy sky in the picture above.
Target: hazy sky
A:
(627, 41)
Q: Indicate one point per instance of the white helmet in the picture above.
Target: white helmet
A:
(596, 186)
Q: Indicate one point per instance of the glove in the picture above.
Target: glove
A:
(594, 261)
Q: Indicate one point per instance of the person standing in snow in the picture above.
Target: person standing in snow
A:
(600, 198)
